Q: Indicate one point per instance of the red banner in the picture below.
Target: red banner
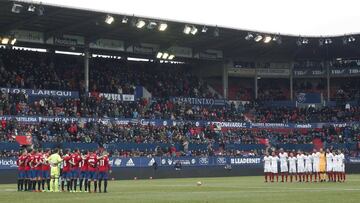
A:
(24, 140)
(317, 143)
(263, 141)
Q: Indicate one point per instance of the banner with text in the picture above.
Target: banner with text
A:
(108, 44)
(41, 93)
(355, 71)
(115, 97)
(143, 162)
(309, 73)
(161, 123)
(28, 36)
(199, 101)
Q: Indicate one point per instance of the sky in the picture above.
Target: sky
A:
(295, 17)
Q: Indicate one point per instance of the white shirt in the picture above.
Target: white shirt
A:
(283, 158)
(300, 159)
(292, 162)
(307, 159)
(329, 158)
(341, 159)
(336, 160)
(267, 161)
(316, 157)
(274, 160)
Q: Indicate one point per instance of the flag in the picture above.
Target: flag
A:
(24, 140)
(264, 141)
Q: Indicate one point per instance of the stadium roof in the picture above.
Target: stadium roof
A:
(57, 21)
(297, 17)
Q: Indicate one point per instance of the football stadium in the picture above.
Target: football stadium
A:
(160, 101)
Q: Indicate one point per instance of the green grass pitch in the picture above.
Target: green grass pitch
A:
(230, 189)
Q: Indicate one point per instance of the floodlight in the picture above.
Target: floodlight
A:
(140, 24)
(109, 19)
(187, 29)
(258, 38)
(267, 39)
(162, 26)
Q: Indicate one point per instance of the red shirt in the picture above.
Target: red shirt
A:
(37, 161)
(32, 161)
(66, 163)
(45, 165)
(27, 162)
(3, 124)
(92, 161)
(103, 164)
(76, 159)
(83, 165)
(21, 162)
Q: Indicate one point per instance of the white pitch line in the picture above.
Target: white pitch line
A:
(267, 188)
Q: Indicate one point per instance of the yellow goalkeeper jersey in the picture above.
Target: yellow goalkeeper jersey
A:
(322, 162)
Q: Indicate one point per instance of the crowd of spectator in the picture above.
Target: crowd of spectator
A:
(19, 104)
(306, 115)
(184, 133)
(25, 69)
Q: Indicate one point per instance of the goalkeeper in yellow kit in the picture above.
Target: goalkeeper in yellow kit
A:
(322, 165)
(54, 161)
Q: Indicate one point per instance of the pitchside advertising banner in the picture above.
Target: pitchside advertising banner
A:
(136, 162)
(143, 162)
(162, 123)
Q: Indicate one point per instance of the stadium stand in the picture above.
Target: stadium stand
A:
(177, 96)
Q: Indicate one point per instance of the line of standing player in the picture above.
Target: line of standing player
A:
(84, 168)
(305, 167)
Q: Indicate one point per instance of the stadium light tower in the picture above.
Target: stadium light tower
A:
(109, 19)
